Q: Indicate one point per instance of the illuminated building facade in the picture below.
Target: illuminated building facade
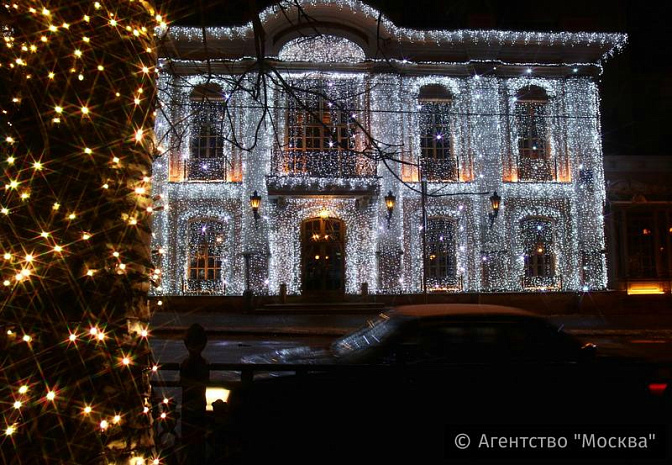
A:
(333, 133)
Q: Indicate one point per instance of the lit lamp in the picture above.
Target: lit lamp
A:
(390, 199)
(255, 203)
(495, 201)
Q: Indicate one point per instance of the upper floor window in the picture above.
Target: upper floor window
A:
(538, 251)
(210, 154)
(436, 144)
(319, 125)
(531, 116)
(205, 256)
(325, 133)
(441, 252)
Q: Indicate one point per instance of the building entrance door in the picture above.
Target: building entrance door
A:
(323, 256)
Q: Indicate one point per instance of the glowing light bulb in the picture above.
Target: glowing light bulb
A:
(104, 424)
(101, 68)
(78, 53)
(85, 110)
(29, 258)
(37, 165)
(72, 216)
(126, 361)
(10, 430)
(72, 337)
(87, 410)
(18, 404)
(23, 389)
(116, 419)
(113, 22)
(11, 160)
(138, 135)
(58, 248)
(56, 206)
(88, 151)
(51, 395)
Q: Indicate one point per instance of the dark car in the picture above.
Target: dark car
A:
(414, 372)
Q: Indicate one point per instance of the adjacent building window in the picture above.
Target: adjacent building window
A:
(441, 253)
(205, 256)
(641, 248)
(531, 115)
(436, 148)
(538, 252)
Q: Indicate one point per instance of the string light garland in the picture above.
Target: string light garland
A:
(75, 377)
(486, 124)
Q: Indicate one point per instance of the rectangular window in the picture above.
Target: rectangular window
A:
(206, 248)
(325, 134)
(441, 253)
(438, 162)
(210, 155)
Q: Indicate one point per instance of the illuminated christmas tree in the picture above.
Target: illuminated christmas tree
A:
(77, 112)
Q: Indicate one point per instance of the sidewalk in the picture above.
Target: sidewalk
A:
(173, 325)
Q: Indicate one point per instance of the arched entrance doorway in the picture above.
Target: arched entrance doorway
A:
(323, 256)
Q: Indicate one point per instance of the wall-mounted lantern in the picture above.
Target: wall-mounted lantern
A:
(390, 200)
(255, 203)
(495, 201)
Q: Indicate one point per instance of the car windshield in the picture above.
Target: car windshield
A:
(374, 333)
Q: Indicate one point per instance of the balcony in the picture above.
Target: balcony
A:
(308, 172)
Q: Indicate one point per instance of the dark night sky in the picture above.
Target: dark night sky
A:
(636, 85)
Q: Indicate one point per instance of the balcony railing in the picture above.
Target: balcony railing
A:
(203, 287)
(537, 283)
(339, 164)
(537, 170)
(440, 170)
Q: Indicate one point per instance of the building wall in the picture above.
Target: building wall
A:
(389, 260)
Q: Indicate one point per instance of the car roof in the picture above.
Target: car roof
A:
(459, 311)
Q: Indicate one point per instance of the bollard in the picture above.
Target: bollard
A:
(194, 377)
(283, 293)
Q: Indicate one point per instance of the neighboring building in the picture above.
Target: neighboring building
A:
(352, 110)
(639, 223)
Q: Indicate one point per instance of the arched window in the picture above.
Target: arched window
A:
(441, 253)
(322, 48)
(205, 256)
(436, 145)
(210, 158)
(538, 252)
(532, 118)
